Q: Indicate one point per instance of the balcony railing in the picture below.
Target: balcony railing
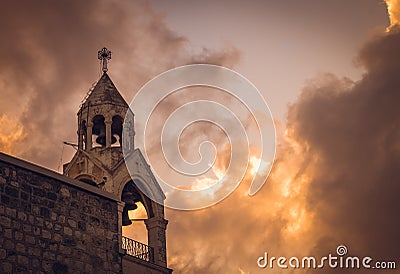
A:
(138, 250)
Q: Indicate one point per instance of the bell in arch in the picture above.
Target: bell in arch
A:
(130, 198)
(99, 129)
(101, 139)
(125, 214)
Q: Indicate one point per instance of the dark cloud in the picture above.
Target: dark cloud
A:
(352, 131)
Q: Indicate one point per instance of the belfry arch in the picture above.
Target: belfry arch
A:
(116, 130)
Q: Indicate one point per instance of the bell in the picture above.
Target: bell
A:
(129, 197)
(101, 139)
(125, 217)
(125, 214)
(131, 206)
(113, 140)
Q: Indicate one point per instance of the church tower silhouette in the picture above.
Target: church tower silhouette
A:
(99, 161)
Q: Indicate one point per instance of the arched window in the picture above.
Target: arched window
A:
(99, 131)
(116, 130)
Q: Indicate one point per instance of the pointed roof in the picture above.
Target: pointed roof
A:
(105, 92)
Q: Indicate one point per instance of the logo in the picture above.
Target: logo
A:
(186, 183)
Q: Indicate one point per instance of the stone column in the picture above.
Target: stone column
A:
(128, 132)
(108, 132)
(156, 227)
(120, 209)
(89, 136)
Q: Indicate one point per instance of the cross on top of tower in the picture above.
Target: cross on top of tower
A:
(104, 54)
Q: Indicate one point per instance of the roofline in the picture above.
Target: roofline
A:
(86, 103)
(57, 176)
(91, 90)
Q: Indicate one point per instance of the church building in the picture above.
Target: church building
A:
(72, 223)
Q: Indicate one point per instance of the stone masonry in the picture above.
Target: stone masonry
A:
(53, 224)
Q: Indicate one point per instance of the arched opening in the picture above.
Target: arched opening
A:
(135, 234)
(138, 224)
(116, 131)
(137, 230)
(99, 131)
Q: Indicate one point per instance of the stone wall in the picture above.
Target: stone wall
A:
(52, 224)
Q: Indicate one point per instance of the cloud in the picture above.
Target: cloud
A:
(49, 61)
(230, 236)
(335, 181)
(10, 132)
(393, 7)
(352, 131)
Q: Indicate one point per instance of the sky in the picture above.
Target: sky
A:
(327, 69)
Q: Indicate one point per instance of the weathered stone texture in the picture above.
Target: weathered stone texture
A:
(50, 226)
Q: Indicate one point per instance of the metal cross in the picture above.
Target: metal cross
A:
(104, 54)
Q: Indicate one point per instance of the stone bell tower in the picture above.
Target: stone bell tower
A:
(99, 161)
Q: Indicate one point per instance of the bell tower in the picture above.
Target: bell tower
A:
(99, 161)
